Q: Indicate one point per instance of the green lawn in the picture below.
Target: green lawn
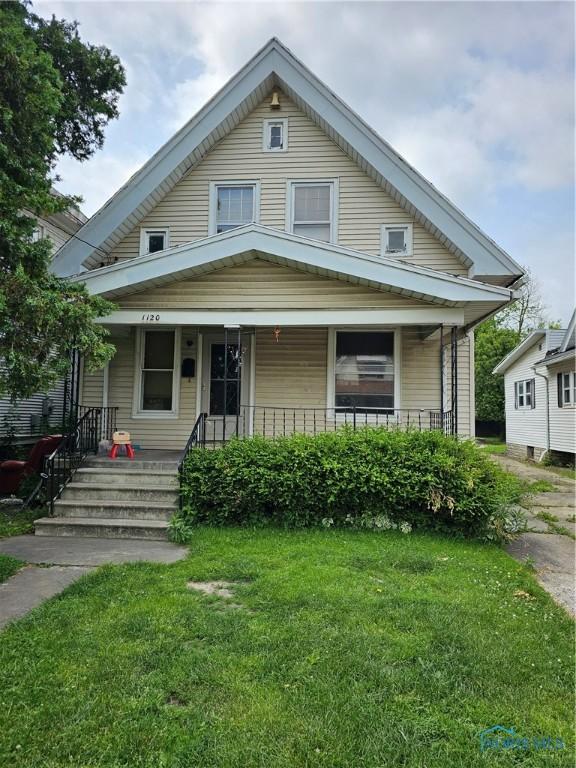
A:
(338, 649)
(16, 521)
(8, 566)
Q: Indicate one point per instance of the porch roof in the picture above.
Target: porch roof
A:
(327, 259)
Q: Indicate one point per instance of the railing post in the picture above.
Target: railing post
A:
(354, 418)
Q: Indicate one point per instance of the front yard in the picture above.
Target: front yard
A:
(336, 648)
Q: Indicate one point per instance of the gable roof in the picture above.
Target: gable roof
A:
(275, 66)
(245, 243)
(551, 339)
(569, 340)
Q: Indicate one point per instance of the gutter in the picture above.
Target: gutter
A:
(547, 382)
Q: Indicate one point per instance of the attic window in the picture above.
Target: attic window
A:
(275, 135)
(397, 240)
(153, 240)
(233, 204)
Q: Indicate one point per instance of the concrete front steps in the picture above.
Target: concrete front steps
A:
(109, 499)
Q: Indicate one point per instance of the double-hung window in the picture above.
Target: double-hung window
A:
(157, 379)
(312, 209)
(364, 371)
(567, 389)
(396, 240)
(275, 135)
(233, 205)
(153, 240)
(524, 396)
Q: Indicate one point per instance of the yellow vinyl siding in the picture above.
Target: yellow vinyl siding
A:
(259, 284)
(363, 205)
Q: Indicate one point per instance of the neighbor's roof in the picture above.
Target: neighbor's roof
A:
(551, 336)
(275, 66)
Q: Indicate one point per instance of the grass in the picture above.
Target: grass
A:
(16, 521)
(540, 486)
(344, 649)
(492, 445)
(8, 566)
(568, 472)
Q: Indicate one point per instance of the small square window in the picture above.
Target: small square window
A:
(153, 240)
(275, 135)
(397, 240)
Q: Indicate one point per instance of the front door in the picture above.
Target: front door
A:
(226, 385)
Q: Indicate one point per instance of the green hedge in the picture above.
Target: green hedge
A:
(373, 478)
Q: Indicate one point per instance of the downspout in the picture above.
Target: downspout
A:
(546, 381)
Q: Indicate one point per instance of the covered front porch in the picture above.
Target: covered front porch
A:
(276, 380)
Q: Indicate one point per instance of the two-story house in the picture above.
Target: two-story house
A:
(277, 266)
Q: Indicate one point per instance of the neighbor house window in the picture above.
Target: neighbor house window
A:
(312, 210)
(566, 389)
(275, 135)
(233, 205)
(524, 394)
(157, 391)
(153, 240)
(364, 371)
(37, 233)
(397, 240)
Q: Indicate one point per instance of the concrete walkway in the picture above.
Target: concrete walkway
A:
(548, 542)
(67, 559)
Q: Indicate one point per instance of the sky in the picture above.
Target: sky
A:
(478, 96)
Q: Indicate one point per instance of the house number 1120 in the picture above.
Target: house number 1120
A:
(150, 318)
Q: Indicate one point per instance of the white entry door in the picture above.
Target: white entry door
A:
(225, 385)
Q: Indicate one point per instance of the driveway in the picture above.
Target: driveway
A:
(548, 542)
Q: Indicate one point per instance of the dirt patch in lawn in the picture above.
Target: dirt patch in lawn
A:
(218, 588)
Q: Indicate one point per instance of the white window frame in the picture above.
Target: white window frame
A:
(146, 231)
(333, 183)
(408, 239)
(331, 366)
(214, 186)
(38, 233)
(137, 411)
(283, 121)
(571, 389)
(521, 391)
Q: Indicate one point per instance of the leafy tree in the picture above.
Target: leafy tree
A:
(496, 337)
(492, 342)
(57, 94)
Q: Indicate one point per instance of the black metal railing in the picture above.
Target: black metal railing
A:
(197, 439)
(83, 438)
(279, 421)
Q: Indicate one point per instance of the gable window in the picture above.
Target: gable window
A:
(153, 240)
(524, 396)
(566, 389)
(364, 371)
(312, 209)
(156, 375)
(397, 240)
(275, 135)
(233, 205)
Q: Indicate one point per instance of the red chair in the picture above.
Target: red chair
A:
(13, 472)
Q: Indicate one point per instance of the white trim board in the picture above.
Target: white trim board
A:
(275, 65)
(267, 318)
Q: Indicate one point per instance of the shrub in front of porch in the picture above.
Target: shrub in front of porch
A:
(371, 478)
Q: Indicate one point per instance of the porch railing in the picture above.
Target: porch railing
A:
(197, 439)
(278, 421)
(83, 438)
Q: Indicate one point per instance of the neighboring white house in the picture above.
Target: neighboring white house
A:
(29, 418)
(540, 391)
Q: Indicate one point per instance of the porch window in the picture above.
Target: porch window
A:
(312, 210)
(524, 394)
(233, 205)
(153, 240)
(157, 372)
(364, 370)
